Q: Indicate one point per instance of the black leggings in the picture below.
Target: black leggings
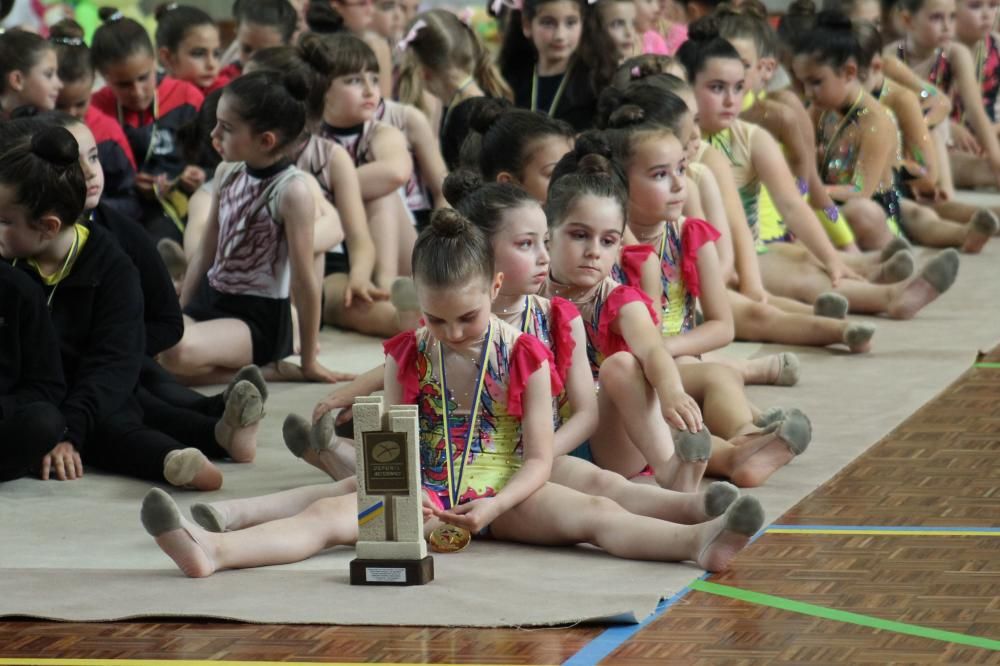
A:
(160, 383)
(27, 434)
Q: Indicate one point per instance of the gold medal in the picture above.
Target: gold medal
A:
(449, 539)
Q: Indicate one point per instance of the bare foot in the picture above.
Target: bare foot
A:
(724, 537)
(933, 280)
(189, 468)
(181, 540)
(757, 456)
(983, 226)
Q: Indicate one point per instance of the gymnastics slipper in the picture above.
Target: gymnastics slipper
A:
(403, 294)
(208, 517)
(718, 496)
(897, 268)
(244, 406)
(769, 416)
(983, 226)
(831, 304)
(795, 430)
(857, 334)
(745, 516)
(297, 434)
(181, 466)
(941, 271)
(252, 374)
(159, 513)
(892, 247)
(323, 432)
(693, 446)
(789, 369)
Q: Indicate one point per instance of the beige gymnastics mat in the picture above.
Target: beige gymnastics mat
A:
(76, 550)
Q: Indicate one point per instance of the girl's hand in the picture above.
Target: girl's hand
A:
(681, 411)
(964, 140)
(315, 372)
(838, 270)
(64, 462)
(365, 290)
(191, 178)
(754, 292)
(473, 516)
(342, 400)
(428, 507)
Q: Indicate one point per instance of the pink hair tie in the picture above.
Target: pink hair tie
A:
(411, 35)
(635, 72)
(465, 16)
(498, 5)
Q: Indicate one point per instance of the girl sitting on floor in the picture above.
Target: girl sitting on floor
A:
(504, 491)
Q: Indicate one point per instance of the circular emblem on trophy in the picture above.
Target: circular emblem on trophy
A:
(385, 452)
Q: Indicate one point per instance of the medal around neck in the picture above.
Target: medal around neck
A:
(391, 549)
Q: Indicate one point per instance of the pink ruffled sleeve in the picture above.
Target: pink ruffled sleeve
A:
(653, 43)
(403, 350)
(561, 316)
(526, 357)
(610, 342)
(694, 234)
(633, 257)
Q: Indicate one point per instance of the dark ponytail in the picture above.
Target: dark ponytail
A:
(117, 39)
(41, 163)
(72, 53)
(703, 44)
(831, 41)
(271, 102)
(483, 203)
(174, 21)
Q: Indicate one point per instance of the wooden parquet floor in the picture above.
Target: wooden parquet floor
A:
(939, 468)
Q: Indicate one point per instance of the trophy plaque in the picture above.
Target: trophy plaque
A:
(391, 549)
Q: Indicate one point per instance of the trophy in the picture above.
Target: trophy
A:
(391, 549)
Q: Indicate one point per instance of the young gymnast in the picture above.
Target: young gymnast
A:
(94, 295)
(496, 415)
(260, 24)
(641, 386)
(31, 378)
(187, 42)
(258, 246)
(556, 60)
(357, 18)
(648, 104)
(618, 20)
(29, 72)
(451, 62)
(150, 110)
(788, 269)
(916, 161)
(929, 50)
(975, 27)
(77, 75)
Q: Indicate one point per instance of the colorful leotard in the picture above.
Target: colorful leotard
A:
(839, 138)
(735, 144)
(988, 74)
(940, 75)
(678, 247)
(393, 113)
(497, 449)
(599, 310)
(551, 322)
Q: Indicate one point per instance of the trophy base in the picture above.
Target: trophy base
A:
(392, 572)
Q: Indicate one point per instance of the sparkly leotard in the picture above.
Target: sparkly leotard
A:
(678, 247)
(497, 449)
(550, 322)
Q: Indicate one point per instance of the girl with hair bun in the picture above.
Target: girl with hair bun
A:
(520, 147)
(93, 293)
(150, 110)
(327, 18)
(258, 245)
(29, 74)
(260, 24)
(767, 319)
(496, 415)
(187, 43)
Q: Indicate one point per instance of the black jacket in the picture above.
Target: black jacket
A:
(162, 311)
(97, 312)
(578, 105)
(30, 365)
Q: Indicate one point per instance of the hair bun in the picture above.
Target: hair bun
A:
(704, 29)
(459, 184)
(449, 223)
(487, 114)
(801, 8)
(110, 14)
(296, 84)
(627, 115)
(67, 32)
(832, 19)
(57, 146)
(323, 19)
(593, 144)
(163, 8)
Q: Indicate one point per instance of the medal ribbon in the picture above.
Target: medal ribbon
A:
(526, 315)
(559, 91)
(455, 484)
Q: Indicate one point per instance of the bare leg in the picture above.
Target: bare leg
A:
(199, 553)
(926, 228)
(556, 515)
(643, 499)
(386, 217)
(969, 172)
(770, 370)
(377, 319)
(228, 515)
(867, 220)
(722, 397)
(749, 460)
(631, 431)
(208, 345)
(764, 323)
